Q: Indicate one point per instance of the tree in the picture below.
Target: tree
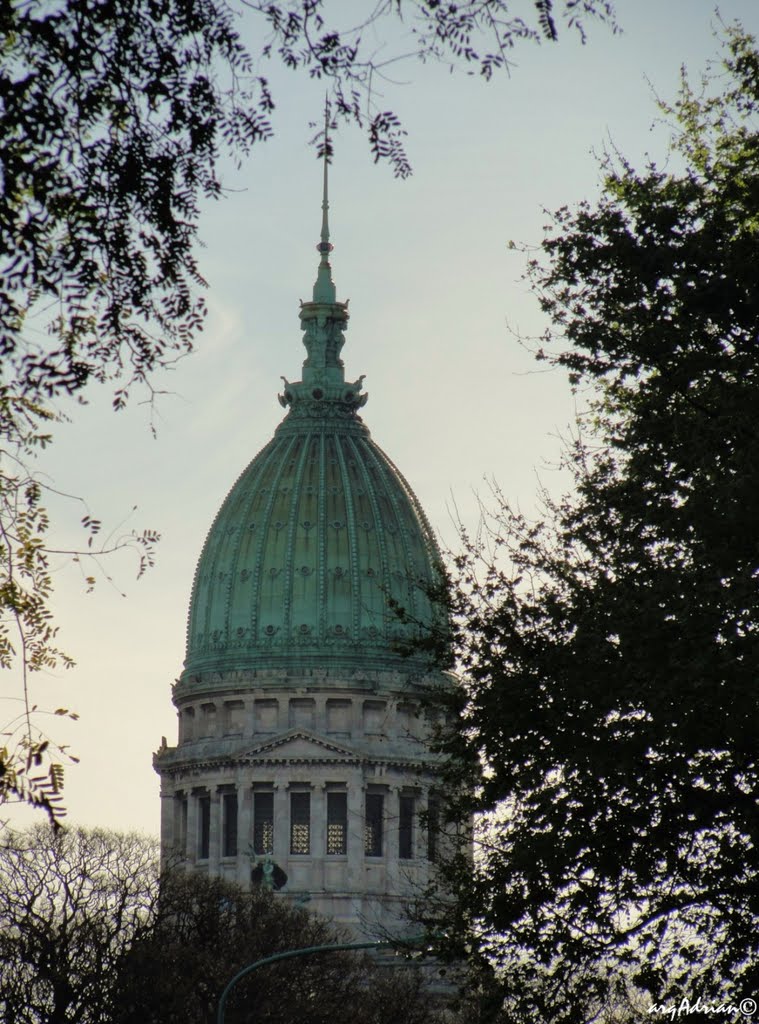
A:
(112, 118)
(72, 902)
(90, 933)
(610, 707)
(208, 930)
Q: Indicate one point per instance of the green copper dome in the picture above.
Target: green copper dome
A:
(320, 536)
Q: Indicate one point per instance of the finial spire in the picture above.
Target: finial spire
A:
(323, 321)
(324, 289)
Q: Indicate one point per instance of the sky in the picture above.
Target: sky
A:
(437, 302)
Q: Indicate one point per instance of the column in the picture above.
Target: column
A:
(391, 823)
(214, 832)
(318, 834)
(191, 839)
(244, 833)
(168, 826)
(356, 793)
(281, 820)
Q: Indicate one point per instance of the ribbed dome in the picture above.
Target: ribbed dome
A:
(317, 534)
(319, 537)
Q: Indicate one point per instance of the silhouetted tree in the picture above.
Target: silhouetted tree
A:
(90, 934)
(609, 713)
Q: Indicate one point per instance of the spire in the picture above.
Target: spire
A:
(323, 391)
(324, 289)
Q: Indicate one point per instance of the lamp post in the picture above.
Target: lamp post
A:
(306, 951)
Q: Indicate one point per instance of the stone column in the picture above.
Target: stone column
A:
(356, 793)
(214, 832)
(168, 823)
(391, 836)
(281, 820)
(191, 844)
(244, 833)
(318, 834)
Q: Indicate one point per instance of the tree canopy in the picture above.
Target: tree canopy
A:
(89, 932)
(609, 650)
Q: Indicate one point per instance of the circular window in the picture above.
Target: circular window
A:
(269, 631)
(318, 394)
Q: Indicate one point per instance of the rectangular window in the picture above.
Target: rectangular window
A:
(300, 823)
(263, 823)
(302, 710)
(406, 827)
(373, 825)
(229, 817)
(337, 823)
(188, 725)
(339, 717)
(207, 720)
(204, 826)
(234, 717)
(374, 716)
(433, 827)
(265, 715)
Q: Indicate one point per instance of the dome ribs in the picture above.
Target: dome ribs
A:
(361, 460)
(291, 548)
(350, 519)
(322, 535)
(259, 568)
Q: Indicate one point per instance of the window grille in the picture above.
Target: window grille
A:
(300, 823)
(373, 825)
(337, 823)
(263, 823)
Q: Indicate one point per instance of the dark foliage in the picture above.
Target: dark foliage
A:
(611, 650)
(90, 934)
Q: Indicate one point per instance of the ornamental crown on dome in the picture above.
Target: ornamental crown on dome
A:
(324, 321)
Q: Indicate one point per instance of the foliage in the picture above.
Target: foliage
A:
(90, 933)
(477, 35)
(208, 930)
(610, 713)
(112, 119)
(72, 902)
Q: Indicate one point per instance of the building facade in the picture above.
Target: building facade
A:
(302, 757)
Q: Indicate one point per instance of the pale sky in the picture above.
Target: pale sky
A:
(435, 296)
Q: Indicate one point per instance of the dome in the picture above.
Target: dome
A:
(316, 536)
(321, 540)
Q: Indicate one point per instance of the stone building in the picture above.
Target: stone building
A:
(302, 751)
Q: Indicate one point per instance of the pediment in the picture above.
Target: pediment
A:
(299, 745)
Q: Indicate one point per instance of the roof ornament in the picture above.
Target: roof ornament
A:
(324, 289)
(323, 391)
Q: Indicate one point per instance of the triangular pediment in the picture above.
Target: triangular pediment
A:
(298, 745)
